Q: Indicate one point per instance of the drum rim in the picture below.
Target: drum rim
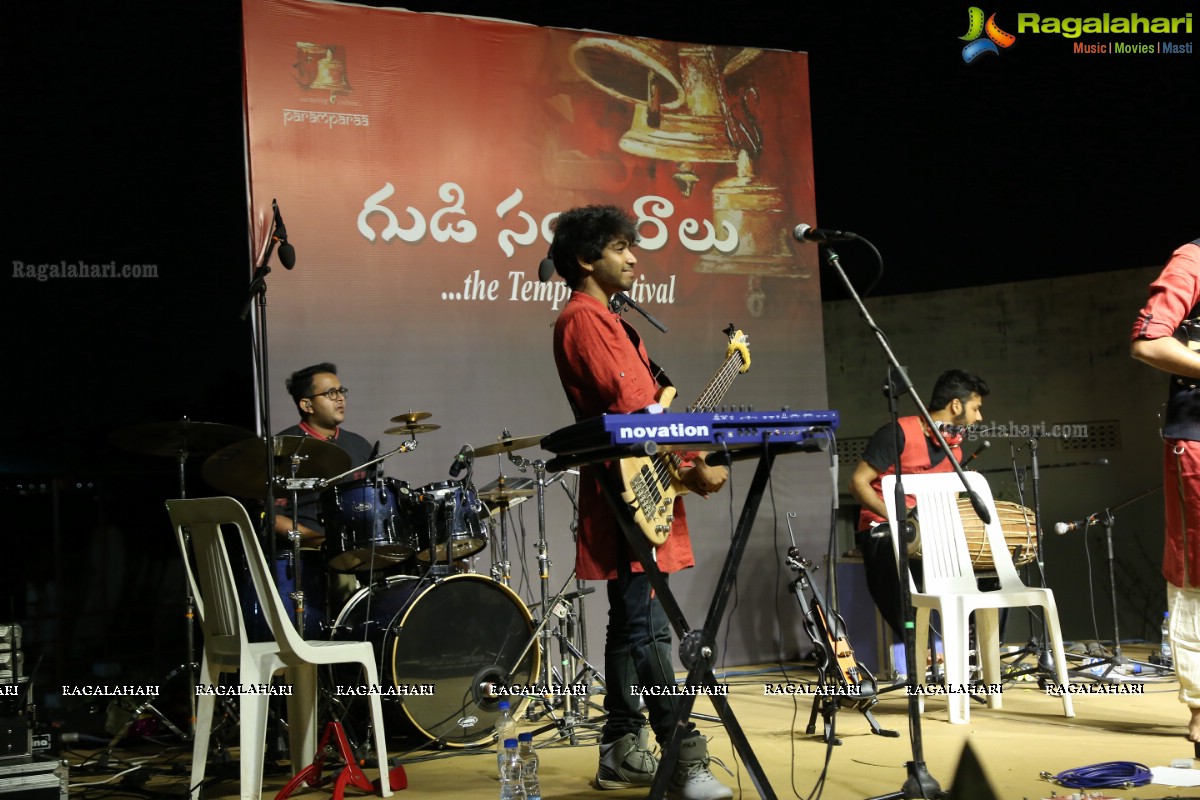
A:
(536, 650)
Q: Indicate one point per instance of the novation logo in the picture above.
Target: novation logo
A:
(983, 37)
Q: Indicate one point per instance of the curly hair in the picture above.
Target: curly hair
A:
(583, 233)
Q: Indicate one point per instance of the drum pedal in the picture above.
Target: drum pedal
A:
(351, 774)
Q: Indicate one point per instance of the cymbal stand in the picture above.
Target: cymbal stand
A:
(294, 485)
(501, 566)
(543, 559)
(581, 591)
(189, 610)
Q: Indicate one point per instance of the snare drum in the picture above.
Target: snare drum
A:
(450, 522)
(368, 524)
(437, 645)
(1017, 523)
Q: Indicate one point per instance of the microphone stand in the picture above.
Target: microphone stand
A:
(620, 300)
(1108, 520)
(919, 784)
(258, 291)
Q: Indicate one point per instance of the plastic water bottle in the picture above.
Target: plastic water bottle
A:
(512, 786)
(506, 728)
(1164, 648)
(529, 766)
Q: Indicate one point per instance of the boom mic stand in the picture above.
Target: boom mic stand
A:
(919, 784)
(1108, 520)
(258, 290)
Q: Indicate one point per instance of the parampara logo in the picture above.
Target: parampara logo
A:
(977, 28)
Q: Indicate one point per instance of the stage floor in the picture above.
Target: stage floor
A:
(1014, 745)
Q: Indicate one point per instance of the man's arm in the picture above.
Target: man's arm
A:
(1168, 354)
(308, 537)
(860, 486)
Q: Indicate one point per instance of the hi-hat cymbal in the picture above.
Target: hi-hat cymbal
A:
(406, 430)
(182, 438)
(412, 416)
(508, 445)
(504, 495)
(239, 468)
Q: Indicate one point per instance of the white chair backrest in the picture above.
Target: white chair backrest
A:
(211, 576)
(221, 615)
(945, 554)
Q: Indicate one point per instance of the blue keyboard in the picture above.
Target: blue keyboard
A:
(696, 430)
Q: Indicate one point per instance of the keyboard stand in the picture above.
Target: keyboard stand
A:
(697, 648)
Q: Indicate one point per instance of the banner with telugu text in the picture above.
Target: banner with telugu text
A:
(418, 161)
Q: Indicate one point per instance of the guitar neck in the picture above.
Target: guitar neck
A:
(714, 392)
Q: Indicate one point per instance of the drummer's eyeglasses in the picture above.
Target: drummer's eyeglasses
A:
(330, 394)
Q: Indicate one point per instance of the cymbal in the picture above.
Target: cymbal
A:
(238, 468)
(411, 417)
(405, 430)
(504, 495)
(172, 439)
(508, 445)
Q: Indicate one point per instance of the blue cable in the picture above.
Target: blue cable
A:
(1105, 775)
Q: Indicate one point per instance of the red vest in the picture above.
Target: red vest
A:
(914, 460)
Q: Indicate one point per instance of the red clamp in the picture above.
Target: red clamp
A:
(351, 774)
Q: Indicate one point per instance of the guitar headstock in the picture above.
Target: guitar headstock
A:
(738, 343)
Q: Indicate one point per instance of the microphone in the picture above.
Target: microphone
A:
(807, 233)
(1066, 527)
(287, 253)
(986, 444)
(546, 269)
(464, 457)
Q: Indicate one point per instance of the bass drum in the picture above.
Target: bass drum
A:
(436, 643)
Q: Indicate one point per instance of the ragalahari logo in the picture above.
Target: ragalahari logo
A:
(976, 28)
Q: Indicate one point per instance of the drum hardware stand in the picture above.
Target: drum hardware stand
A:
(293, 485)
(580, 593)
(501, 567)
(349, 774)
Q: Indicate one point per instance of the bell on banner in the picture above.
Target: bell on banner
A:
(680, 111)
(318, 67)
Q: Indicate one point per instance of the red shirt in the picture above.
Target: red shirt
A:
(603, 371)
(1173, 294)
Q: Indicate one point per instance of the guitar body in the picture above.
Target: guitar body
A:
(650, 484)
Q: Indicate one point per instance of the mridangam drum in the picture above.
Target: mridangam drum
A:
(437, 644)
(1017, 523)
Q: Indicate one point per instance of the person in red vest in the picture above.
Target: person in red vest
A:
(957, 401)
(1166, 336)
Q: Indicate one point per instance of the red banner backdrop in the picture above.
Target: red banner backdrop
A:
(418, 160)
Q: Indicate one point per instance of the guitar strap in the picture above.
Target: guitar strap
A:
(657, 373)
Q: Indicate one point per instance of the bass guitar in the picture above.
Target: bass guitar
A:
(650, 484)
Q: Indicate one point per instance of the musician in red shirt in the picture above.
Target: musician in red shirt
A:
(957, 400)
(604, 368)
(1166, 335)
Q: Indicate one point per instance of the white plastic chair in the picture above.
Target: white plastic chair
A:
(226, 648)
(951, 587)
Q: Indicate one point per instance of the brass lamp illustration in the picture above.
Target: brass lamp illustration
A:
(683, 113)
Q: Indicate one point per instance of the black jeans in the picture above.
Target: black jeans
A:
(637, 652)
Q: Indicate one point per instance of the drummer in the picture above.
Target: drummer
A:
(957, 400)
(321, 400)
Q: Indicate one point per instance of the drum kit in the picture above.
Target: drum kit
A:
(444, 636)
